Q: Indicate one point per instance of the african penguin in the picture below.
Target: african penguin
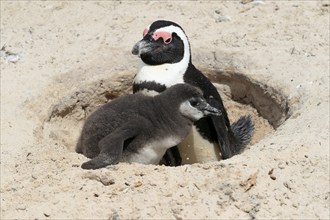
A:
(139, 128)
(165, 61)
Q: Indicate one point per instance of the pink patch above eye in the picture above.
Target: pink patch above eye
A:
(145, 31)
(167, 36)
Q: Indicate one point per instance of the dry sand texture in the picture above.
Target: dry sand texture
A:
(269, 59)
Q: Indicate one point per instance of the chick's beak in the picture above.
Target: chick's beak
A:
(209, 110)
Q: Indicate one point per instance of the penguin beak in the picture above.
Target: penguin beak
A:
(207, 109)
(141, 47)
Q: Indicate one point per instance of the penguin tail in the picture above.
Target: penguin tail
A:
(243, 130)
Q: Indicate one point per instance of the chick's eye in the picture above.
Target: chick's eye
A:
(194, 103)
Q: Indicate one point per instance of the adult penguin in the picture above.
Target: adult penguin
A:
(165, 61)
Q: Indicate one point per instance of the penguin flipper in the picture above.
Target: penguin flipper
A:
(100, 161)
(111, 147)
(225, 137)
(232, 140)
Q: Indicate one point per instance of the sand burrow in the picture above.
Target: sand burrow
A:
(241, 95)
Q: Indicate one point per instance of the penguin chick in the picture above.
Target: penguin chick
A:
(166, 60)
(138, 128)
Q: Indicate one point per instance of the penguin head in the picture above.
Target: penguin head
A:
(196, 108)
(190, 101)
(163, 42)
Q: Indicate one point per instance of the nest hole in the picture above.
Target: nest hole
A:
(241, 95)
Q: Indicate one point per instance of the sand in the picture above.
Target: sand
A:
(63, 59)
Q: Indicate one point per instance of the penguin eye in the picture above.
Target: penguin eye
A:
(168, 40)
(194, 102)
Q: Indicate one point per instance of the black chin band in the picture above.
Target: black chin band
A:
(151, 85)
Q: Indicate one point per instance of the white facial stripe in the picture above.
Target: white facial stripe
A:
(182, 35)
(166, 74)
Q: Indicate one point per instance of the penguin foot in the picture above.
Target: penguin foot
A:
(102, 160)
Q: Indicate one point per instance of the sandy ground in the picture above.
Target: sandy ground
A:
(75, 55)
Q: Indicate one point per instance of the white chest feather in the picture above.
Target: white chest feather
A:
(195, 149)
(152, 152)
(165, 74)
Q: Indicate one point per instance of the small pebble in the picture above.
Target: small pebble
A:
(115, 216)
(137, 184)
(281, 165)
